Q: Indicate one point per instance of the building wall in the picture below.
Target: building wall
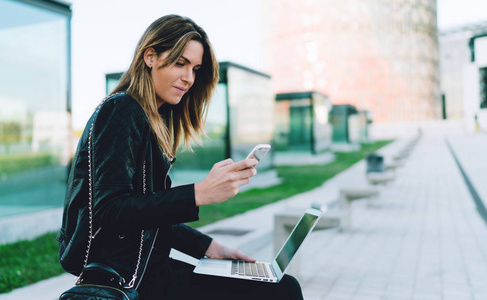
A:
(454, 54)
(377, 55)
(35, 119)
(459, 75)
(474, 87)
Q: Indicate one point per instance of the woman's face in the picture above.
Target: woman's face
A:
(172, 82)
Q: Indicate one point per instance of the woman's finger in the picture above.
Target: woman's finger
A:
(242, 256)
(247, 173)
(223, 163)
(245, 164)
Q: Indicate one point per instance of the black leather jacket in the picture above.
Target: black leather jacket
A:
(131, 192)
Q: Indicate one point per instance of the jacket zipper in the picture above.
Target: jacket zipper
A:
(147, 261)
(157, 233)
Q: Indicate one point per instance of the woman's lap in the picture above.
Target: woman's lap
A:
(182, 283)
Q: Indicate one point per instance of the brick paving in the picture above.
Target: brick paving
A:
(422, 239)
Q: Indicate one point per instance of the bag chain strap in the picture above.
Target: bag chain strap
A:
(90, 204)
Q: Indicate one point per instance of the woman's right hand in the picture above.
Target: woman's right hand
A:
(224, 181)
(219, 251)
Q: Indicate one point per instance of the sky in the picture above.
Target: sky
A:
(452, 13)
(105, 32)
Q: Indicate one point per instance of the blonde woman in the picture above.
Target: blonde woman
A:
(122, 165)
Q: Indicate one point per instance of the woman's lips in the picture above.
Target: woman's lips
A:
(180, 90)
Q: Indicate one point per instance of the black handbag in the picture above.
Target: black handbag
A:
(98, 281)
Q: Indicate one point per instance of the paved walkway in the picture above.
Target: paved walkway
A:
(421, 239)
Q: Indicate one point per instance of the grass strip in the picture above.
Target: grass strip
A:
(11, 164)
(27, 262)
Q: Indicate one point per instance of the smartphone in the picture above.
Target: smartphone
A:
(259, 151)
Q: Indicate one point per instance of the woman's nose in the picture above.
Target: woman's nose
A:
(188, 76)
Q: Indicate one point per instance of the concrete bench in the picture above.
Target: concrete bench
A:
(381, 178)
(284, 222)
(406, 150)
(392, 166)
(348, 195)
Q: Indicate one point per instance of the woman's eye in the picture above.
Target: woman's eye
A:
(180, 64)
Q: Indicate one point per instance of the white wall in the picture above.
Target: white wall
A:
(471, 90)
(471, 97)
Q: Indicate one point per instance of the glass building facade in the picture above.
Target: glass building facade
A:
(240, 115)
(302, 122)
(35, 123)
(344, 126)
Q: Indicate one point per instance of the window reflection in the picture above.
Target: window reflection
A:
(251, 105)
(302, 122)
(34, 119)
(213, 146)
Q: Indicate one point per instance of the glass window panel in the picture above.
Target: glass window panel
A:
(281, 139)
(294, 125)
(339, 118)
(300, 131)
(483, 87)
(322, 129)
(34, 122)
(251, 107)
(213, 146)
(112, 84)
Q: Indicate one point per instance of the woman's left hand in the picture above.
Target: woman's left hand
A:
(219, 251)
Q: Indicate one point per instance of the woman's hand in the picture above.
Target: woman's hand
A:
(224, 181)
(219, 251)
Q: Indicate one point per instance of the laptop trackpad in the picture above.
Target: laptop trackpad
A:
(216, 264)
(213, 266)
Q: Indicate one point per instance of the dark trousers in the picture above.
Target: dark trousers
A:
(181, 283)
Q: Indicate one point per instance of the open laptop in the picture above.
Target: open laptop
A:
(264, 271)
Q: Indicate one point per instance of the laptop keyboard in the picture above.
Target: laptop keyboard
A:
(241, 267)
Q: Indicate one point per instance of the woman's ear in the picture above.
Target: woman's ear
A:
(149, 57)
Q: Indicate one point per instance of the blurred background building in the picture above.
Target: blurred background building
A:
(463, 69)
(35, 95)
(303, 132)
(380, 56)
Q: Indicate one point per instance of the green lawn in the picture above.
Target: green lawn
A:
(17, 163)
(26, 262)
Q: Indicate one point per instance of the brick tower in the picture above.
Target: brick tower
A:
(377, 55)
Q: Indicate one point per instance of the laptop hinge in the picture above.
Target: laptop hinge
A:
(273, 272)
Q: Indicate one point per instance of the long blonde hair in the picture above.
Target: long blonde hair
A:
(185, 120)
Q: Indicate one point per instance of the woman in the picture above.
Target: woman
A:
(137, 216)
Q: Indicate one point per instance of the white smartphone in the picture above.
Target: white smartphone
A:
(259, 151)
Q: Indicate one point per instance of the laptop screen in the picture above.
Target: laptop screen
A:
(306, 223)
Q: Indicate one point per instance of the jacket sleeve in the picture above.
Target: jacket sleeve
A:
(117, 139)
(189, 240)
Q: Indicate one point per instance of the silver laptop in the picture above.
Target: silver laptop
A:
(264, 271)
